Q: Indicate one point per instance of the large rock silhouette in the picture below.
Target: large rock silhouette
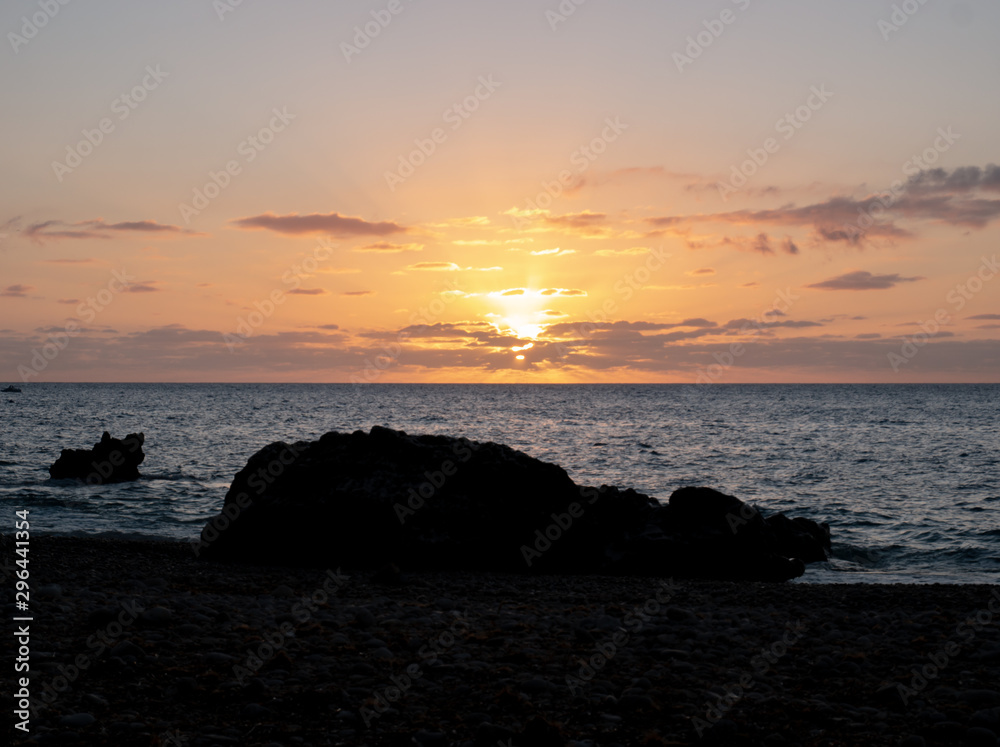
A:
(111, 460)
(434, 502)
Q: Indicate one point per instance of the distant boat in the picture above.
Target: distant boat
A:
(11, 390)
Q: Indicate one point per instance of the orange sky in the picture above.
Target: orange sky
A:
(500, 194)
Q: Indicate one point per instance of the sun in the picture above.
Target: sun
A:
(521, 326)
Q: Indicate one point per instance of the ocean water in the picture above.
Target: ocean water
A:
(907, 476)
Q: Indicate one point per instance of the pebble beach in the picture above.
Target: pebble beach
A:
(144, 643)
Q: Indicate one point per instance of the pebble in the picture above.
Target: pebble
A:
(363, 616)
(977, 736)
(127, 648)
(255, 710)
(77, 720)
(979, 698)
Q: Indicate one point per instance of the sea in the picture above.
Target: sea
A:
(907, 476)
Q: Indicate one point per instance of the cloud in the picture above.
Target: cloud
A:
(633, 348)
(16, 291)
(387, 248)
(862, 280)
(554, 252)
(744, 324)
(307, 292)
(490, 242)
(678, 287)
(69, 301)
(338, 270)
(577, 328)
(961, 179)
(68, 261)
(358, 293)
(474, 220)
(435, 266)
(985, 317)
(144, 286)
(449, 267)
(585, 223)
(99, 229)
(570, 292)
(332, 224)
(935, 195)
(473, 330)
(633, 251)
(703, 271)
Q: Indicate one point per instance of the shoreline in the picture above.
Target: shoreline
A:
(236, 654)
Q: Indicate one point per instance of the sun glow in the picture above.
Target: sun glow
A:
(522, 327)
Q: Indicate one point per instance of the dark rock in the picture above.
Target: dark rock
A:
(367, 500)
(111, 460)
(800, 537)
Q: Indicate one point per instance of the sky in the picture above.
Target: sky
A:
(526, 191)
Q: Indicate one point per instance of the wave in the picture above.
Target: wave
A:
(167, 476)
(110, 534)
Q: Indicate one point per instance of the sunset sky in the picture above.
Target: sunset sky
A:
(516, 191)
